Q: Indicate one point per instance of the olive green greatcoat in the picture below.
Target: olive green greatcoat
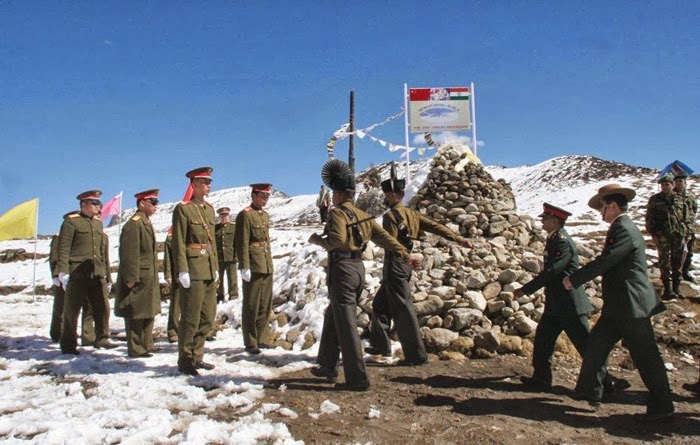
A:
(193, 223)
(82, 253)
(629, 301)
(170, 275)
(346, 278)
(253, 252)
(226, 245)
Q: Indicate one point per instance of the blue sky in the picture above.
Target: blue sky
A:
(125, 96)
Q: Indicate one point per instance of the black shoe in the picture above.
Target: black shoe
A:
(591, 401)
(106, 344)
(188, 369)
(211, 338)
(252, 350)
(329, 374)
(172, 339)
(204, 365)
(534, 383)
(656, 417)
(371, 350)
(692, 387)
(359, 387)
(72, 351)
(614, 385)
(265, 346)
(412, 362)
(687, 277)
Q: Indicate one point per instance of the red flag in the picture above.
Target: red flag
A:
(188, 193)
(112, 207)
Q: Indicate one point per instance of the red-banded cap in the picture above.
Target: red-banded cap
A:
(557, 212)
(201, 172)
(90, 194)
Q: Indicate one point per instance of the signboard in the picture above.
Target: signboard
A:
(440, 109)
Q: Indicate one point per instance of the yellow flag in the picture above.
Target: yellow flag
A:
(20, 221)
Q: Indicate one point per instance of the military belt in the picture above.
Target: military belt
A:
(201, 246)
(344, 255)
(258, 244)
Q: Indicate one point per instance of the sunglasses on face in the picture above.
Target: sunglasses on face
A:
(153, 201)
(94, 202)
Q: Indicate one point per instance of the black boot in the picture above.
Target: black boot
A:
(668, 293)
(676, 288)
(687, 277)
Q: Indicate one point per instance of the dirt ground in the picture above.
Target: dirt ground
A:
(482, 401)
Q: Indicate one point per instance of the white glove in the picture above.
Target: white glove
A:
(245, 274)
(216, 275)
(56, 282)
(109, 288)
(63, 278)
(184, 279)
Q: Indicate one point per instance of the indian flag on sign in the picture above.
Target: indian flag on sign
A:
(459, 93)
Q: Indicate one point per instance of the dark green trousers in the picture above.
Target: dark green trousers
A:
(198, 309)
(139, 335)
(346, 278)
(548, 331)
(638, 336)
(230, 270)
(174, 310)
(81, 292)
(257, 305)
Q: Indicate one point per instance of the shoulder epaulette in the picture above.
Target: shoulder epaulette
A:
(184, 203)
(248, 209)
(73, 215)
(136, 217)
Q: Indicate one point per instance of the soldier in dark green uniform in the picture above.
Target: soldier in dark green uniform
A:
(393, 299)
(689, 215)
(225, 242)
(664, 222)
(629, 302)
(170, 275)
(83, 270)
(255, 262)
(345, 237)
(138, 288)
(194, 252)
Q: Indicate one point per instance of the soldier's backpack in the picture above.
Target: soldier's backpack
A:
(354, 226)
(404, 238)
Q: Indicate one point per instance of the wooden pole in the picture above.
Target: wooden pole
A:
(351, 128)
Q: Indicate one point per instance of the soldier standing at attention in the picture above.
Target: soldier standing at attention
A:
(225, 243)
(690, 214)
(629, 302)
(345, 237)
(393, 300)
(82, 270)
(194, 252)
(255, 262)
(170, 275)
(138, 290)
(664, 222)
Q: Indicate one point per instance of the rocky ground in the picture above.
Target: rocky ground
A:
(482, 401)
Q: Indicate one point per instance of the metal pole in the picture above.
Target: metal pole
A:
(473, 100)
(351, 128)
(405, 119)
(36, 230)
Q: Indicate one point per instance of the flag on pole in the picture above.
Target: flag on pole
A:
(187, 197)
(112, 207)
(20, 221)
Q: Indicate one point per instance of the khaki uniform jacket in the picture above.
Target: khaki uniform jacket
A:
(416, 223)
(226, 242)
(108, 277)
(253, 240)
(690, 211)
(53, 256)
(193, 223)
(169, 272)
(627, 292)
(340, 234)
(664, 216)
(138, 263)
(560, 260)
(82, 248)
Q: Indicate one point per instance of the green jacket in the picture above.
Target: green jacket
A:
(664, 215)
(53, 256)
(627, 292)
(169, 272)
(252, 241)
(82, 248)
(690, 211)
(226, 242)
(194, 245)
(416, 224)
(138, 263)
(560, 260)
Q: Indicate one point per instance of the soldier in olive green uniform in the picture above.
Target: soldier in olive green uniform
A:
(664, 222)
(225, 242)
(629, 302)
(255, 262)
(194, 252)
(689, 215)
(345, 236)
(170, 275)
(393, 300)
(138, 289)
(82, 270)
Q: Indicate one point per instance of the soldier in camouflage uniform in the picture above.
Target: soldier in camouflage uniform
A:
(194, 252)
(690, 213)
(170, 275)
(255, 262)
(345, 236)
(664, 222)
(138, 290)
(225, 242)
(83, 271)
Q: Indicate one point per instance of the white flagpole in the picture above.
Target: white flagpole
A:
(405, 119)
(121, 198)
(474, 119)
(36, 230)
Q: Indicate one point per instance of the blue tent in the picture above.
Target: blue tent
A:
(677, 168)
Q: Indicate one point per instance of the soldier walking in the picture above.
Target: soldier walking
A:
(255, 262)
(629, 302)
(138, 288)
(689, 216)
(194, 252)
(83, 271)
(393, 300)
(170, 275)
(345, 237)
(225, 243)
(664, 222)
